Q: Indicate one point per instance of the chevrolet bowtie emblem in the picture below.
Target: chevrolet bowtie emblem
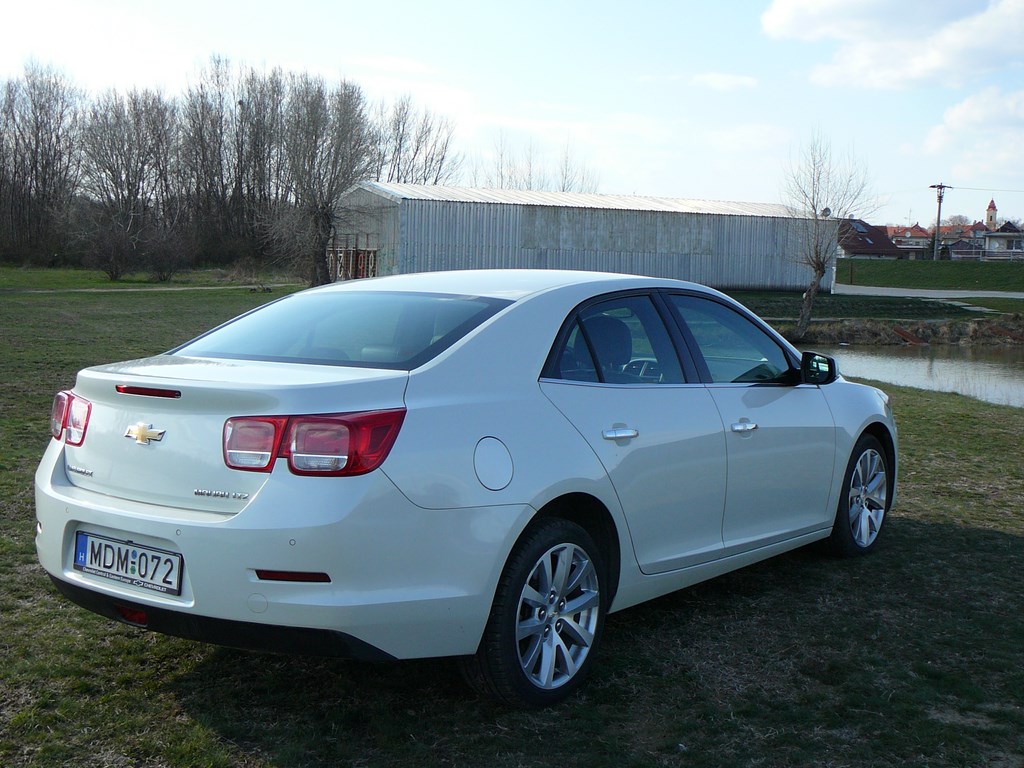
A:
(143, 433)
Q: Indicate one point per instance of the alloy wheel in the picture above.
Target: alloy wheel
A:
(559, 609)
(868, 494)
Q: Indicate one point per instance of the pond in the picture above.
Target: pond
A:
(993, 374)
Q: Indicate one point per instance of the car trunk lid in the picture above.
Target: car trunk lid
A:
(155, 431)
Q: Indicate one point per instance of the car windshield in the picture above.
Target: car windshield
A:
(363, 329)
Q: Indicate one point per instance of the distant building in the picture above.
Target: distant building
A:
(983, 240)
(858, 239)
(965, 249)
(1005, 242)
(402, 228)
(952, 232)
(914, 241)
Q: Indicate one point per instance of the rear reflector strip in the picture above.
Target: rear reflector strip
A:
(133, 616)
(126, 389)
(310, 577)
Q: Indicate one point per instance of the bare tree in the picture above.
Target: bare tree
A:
(514, 169)
(327, 149)
(130, 179)
(413, 146)
(270, 154)
(39, 162)
(575, 176)
(957, 220)
(205, 125)
(259, 137)
(234, 151)
(167, 248)
(10, 183)
(821, 189)
(249, 164)
(527, 169)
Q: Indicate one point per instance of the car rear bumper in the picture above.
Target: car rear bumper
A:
(248, 636)
(404, 582)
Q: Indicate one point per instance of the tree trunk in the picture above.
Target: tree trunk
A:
(320, 273)
(807, 305)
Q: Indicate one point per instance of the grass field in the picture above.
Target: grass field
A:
(939, 275)
(913, 656)
(39, 279)
(781, 305)
(946, 275)
(778, 305)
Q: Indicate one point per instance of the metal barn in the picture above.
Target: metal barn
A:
(402, 228)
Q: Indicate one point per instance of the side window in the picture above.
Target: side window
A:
(620, 341)
(734, 349)
(575, 361)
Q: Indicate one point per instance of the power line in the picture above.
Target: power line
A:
(989, 189)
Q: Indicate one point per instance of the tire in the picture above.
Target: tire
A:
(546, 620)
(864, 501)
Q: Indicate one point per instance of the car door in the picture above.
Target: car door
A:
(616, 375)
(780, 434)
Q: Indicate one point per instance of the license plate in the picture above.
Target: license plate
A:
(128, 563)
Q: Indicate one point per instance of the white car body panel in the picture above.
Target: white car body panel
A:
(778, 483)
(671, 476)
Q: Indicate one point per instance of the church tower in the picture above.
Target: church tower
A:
(990, 216)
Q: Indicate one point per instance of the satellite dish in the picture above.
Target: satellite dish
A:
(826, 212)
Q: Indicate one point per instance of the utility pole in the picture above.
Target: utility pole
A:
(940, 189)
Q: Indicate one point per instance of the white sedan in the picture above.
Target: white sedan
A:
(477, 464)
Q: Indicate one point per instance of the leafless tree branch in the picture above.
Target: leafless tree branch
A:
(822, 188)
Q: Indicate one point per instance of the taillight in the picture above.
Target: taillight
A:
(251, 443)
(58, 413)
(326, 445)
(318, 446)
(69, 417)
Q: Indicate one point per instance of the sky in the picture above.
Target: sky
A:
(667, 98)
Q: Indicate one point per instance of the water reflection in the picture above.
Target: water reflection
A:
(993, 374)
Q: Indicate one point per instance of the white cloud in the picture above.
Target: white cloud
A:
(892, 46)
(984, 132)
(822, 19)
(856, 19)
(720, 81)
(988, 112)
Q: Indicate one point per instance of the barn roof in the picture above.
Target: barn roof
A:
(399, 192)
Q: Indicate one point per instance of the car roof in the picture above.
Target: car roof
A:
(512, 284)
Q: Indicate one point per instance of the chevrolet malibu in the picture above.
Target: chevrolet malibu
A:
(478, 464)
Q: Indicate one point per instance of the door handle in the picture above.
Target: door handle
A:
(744, 427)
(620, 433)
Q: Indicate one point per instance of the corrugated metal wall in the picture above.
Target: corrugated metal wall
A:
(724, 251)
(440, 235)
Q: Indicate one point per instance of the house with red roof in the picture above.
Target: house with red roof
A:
(953, 232)
(913, 241)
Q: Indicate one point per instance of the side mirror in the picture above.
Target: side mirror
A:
(818, 369)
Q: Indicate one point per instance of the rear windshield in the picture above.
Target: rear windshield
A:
(364, 329)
